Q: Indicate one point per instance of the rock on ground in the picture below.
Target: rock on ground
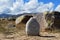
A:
(32, 27)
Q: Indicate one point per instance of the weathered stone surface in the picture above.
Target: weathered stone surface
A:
(57, 20)
(32, 27)
(41, 20)
(23, 19)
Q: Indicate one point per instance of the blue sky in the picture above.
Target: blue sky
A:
(29, 6)
(56, 2)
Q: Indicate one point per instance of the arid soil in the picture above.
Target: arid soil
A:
(22, 36)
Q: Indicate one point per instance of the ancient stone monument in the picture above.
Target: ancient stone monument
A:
(32, 27)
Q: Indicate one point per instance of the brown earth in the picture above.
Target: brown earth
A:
(22, 36)
(19, 33)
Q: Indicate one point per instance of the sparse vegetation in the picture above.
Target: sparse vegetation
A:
(21, 35)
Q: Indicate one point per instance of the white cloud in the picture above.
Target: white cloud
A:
(29, 7)
(17, 6)
(32, 4)
(4, 0)
(45, 7)
(50, 5)
(57, 8)
(4, 4)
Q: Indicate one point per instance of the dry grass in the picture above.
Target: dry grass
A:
(20, 33)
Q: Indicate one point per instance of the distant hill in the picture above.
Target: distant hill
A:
(3, 15)
(6, 15)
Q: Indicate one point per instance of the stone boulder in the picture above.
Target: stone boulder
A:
(32, 27)
(23, 19)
